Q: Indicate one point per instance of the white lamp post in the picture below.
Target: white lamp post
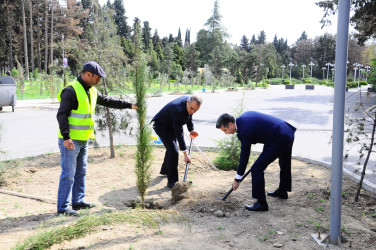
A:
(311, 64)
(356, 67)
(303, 66)
(327, 73)
(323, 72)
(283, 69)
(291, 65)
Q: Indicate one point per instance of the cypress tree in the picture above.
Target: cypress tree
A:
(144, 148)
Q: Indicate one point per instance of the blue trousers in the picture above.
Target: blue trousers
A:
(279, 149)
(73, 174)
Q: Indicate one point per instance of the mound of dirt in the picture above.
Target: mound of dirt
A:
(176, 93)
(179, 191)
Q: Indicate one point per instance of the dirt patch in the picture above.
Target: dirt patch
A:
(212, 224)
(176, 93)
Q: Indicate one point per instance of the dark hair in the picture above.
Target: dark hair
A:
(224, 120)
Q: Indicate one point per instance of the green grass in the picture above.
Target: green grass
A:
(91, 223)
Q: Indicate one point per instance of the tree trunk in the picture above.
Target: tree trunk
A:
(31, 36)
(52, 35)
(10, 38)
(45, 36)
(38, 39)
(108, 117)
(26, 57)
(366, 161)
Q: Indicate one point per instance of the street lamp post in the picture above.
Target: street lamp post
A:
(303, 66)
(333, 70)
(311, 64)
(323, 72)
(327, 73)
(291, 65)
(283, 69)
(357, 66)
(360, 65)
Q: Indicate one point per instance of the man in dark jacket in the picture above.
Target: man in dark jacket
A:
(277, 136)
(168, 124)
(76, 125)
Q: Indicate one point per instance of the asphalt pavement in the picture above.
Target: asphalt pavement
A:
(32, 129)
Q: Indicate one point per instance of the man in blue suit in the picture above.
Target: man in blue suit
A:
(168, 124)
(277, 136)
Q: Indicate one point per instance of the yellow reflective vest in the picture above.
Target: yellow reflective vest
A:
(81, 121)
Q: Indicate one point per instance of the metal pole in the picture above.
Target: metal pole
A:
(338, 121)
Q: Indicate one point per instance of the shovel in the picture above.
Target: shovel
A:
(187, 166)
(230, 191)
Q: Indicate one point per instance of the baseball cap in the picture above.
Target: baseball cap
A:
(94, 68)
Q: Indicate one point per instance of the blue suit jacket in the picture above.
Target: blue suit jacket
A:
(174, 115)
(253, 127)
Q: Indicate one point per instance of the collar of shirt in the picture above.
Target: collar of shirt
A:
(80, 80)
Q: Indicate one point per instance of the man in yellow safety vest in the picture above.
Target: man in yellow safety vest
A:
(76, 125)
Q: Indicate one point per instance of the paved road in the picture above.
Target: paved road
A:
(32, 129)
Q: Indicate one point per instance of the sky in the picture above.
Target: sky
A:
(287, 19)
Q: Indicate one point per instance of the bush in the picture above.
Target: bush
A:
(307, 81)
(275, 81)
(323, 82)
(229, 153)
(36, 73)
(286, 81)
(363, 83)
(14, 73)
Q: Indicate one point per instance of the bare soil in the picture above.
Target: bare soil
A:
(289, 224)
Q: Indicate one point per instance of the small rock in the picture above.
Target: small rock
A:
(218, 213)
(32, 170)
(227, 215)
(279, 232)
(277, 245)
(293, 239)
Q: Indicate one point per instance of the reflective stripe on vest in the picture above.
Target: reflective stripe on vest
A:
(81, 121)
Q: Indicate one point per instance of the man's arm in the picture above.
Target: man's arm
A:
(112, 102)
(68, 102)
(244, 157)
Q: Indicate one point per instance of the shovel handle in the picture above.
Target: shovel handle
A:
(187, 166)
(230, 191)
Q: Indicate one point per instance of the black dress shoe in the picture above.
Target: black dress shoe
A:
(279, 193)
(83, 205)
(257, 207)
(171, 185)
(68, 212)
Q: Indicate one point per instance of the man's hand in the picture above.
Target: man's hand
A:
(69, 144)
(134, 106)
(235, 185)
(186, 157)
(193, 134)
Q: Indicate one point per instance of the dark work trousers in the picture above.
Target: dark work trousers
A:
(170, 162)
(280, 148)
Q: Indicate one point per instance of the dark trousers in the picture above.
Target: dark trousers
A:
(281, 149)
(171, 159)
